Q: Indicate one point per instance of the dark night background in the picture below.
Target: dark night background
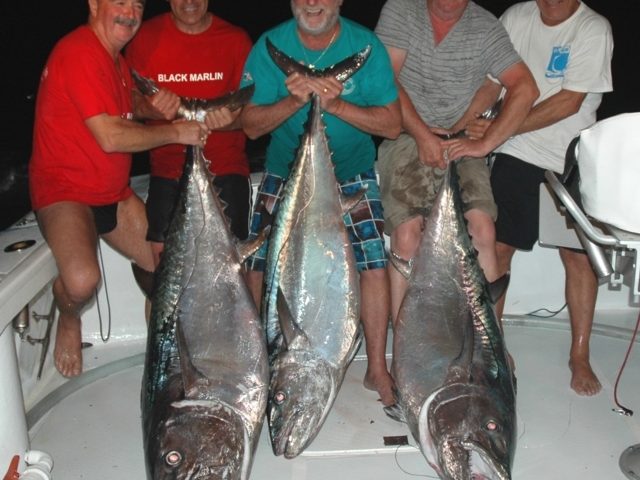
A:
(30, 29)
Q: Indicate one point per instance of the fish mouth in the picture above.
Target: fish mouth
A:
(482, 465)
(291, 437)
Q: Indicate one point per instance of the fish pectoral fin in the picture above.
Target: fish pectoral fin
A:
(394, 412)
(248, 247)
(404, 267)
(348, 202)
(499, 286)
(356, 345)
(191, 376)
(291, 331)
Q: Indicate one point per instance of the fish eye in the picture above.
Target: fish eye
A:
(173, 458)
(492, 426)
(279, 398)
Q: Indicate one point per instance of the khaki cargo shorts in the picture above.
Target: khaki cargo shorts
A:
(408, 187)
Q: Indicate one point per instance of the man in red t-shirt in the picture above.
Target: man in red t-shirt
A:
(190, 52)
(79, 169)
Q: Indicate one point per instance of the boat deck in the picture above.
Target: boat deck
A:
(92, 426)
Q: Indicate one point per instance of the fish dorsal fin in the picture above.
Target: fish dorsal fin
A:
(404, 267)
(248, 247)
(341, 71)
(191, 376)
(498, 287)
(291, 332)
(348, 202)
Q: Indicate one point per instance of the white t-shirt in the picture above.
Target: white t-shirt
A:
(574, 55)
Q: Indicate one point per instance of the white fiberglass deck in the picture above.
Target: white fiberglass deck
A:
(95, 432)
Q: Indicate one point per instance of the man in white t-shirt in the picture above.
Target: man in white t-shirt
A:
(568, 48)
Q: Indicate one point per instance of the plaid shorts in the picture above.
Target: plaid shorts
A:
(364, 222)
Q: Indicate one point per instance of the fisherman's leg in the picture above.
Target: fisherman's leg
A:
(264, 210)
(129, 238)
(70, 232)
(129, 235)
(516, 190)
(235, 193)
(405, 240)
(408, 189)
(581, 290)
(374, 288)
(365, 224)
(483, 236)
(480, 212)
(504, 255)
(161, 202)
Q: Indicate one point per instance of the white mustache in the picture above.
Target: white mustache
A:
(127, 22)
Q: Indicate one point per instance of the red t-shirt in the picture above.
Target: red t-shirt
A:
(206, 65)
(79, 81)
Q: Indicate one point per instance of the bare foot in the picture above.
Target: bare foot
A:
(67, 354)
(383, 384)
(583, 380)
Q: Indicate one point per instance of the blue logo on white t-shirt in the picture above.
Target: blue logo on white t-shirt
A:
(558, 62)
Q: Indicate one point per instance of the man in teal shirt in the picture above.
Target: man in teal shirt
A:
(365, 105)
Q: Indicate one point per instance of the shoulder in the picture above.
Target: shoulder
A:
(520, 11)
(480, 16)
(153, 25)
(79, 43)
(224, 27)
(588, 19)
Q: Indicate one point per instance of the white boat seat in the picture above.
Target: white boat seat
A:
(607, 159)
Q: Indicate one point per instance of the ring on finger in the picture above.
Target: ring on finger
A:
(325, 90)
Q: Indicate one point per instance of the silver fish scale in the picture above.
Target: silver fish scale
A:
(311, 262)
(201, 288)
(447, 333)
(310, 258)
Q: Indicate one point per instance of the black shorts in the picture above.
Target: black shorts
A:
(516, 191)
(234, 190)
(105, 217)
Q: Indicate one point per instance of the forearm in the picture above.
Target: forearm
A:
(115, 134)
(384, 121)
(412, 123)
(484, 98)
(258, 120)
(517, 104)
(551, 110)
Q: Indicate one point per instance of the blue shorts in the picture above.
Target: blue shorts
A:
(364, 222)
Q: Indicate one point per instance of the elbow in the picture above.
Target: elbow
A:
(394, 127)
(533, 92)
(248, 125)
(107, 144)
(394, 132)
(250, 132)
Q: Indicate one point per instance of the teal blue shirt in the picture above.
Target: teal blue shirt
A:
(373, 85)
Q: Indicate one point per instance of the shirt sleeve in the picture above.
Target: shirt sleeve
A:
(589, 68)
(391, 27)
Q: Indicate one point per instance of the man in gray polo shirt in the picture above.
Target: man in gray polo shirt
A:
(441, 52)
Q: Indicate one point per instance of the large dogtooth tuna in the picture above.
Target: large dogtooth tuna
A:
(451, 368)
(205, 381)
(312, 302)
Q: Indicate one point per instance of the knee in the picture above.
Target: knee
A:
(482, 231)
(80, 283)
(406, 238)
